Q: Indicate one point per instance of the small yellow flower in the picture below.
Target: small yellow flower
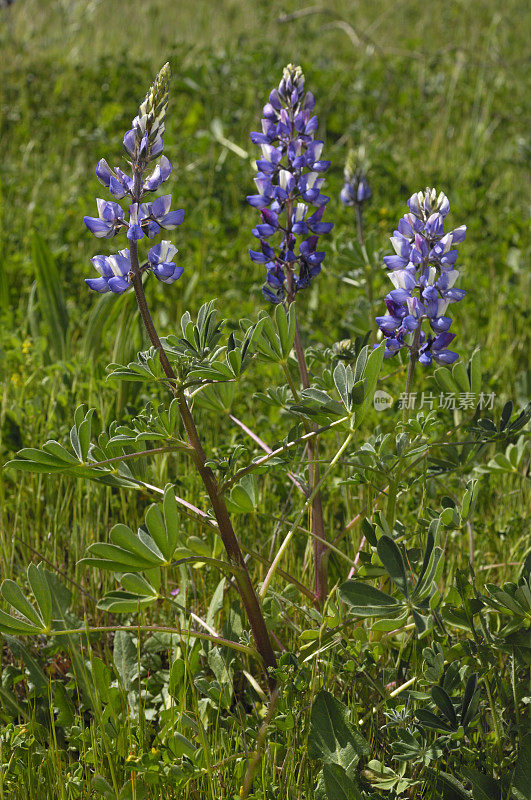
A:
(26, 346)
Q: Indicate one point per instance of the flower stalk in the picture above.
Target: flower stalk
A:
(288, 181)
(143, 143)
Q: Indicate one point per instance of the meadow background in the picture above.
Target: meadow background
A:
(435, 92)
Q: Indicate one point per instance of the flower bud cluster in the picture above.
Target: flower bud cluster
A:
(143, 143)
(289, 182)
(356, 189)
(423, 274)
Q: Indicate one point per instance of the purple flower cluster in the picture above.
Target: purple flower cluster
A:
(288, 182)
(423, 274)
(143, 143)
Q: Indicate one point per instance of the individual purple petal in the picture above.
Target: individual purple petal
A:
(130, 140)
(160, 206)
(98, 284)
(100, 228)
(410, 323)
(458, 235)
(257, 256)
(440, 324)
(103, 172)
(118, 285)
(395, 262)
(160, 174)
(434, 226)
(259, 138)
(172, 220)
(454, 295)
(445, 357)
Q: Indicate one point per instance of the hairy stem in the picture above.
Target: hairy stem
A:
(208, 637)
(228, 536)
(320, 555)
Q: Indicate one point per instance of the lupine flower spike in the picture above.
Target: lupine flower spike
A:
(423, 274)
(288, 182)
(356, 190)
(142, 144)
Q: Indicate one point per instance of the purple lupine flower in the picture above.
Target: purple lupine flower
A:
(356, 189)
(422, 272)
(143, 143)
(160, 261)
(288, 182)
(109, 221)
(114, 271)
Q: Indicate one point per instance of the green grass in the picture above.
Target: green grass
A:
(436, 94)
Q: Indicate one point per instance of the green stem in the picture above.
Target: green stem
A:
(242, 648)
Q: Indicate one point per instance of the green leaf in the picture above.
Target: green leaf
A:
(522, 773)
(243, 498)
(460, 376)
(391, 558)
(444, 380)
(475, 373)
(177, 677)
(483, 786)
(141, 545)
(332, 738)
(171, 517)
(285, 322)
(367, 601)
(15, 597)
(430, 720)
(470, 700)
(453, 789)
(109, 556)
(38, 678)
(344, 382)
(370, 374)
(157, 530)
(338, 785)
(120, 602)
(14, 625)
(51, 299)
(41, 591)
(125, 657)
(443, 702)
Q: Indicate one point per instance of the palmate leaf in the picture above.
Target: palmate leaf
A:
(81, 463)
(29, 619)
(153, 546)
(274, 340)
